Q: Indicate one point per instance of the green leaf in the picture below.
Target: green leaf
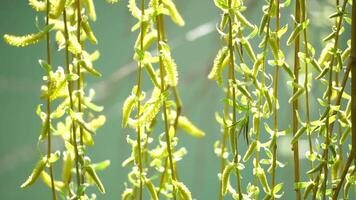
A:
(263, 24)
(296, 95)
(91, 172)
(297, 30)
(22, 41)
(250, 151)
(262, 177)
(152, 190)
(287, 69)
(68, 162)
(222, 4)
(101, 165)
(58, 185)
(185, 124)
(91, 9)
(173, 12)
(45, 65)
(35, 173)
(89, 68)
(127, 194)
(317, 168)
(299, 133)
(243, 20)
(88, 31)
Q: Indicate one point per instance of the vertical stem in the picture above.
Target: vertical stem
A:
(342, 178)
(138, 95)
(306, 50)
(327, 121)
(353, 81)
(295, 103)
(70, 92)
(160, 37)
(275, 109)
(263, 84)
(79, 81)
(48, 102)
(233, 97)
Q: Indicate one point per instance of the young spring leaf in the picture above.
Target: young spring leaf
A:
(67, 167)
(173, 12)
(296, 95)
(91, 9)
(243, 20)
(88, 31)
(152, 190)
(250, 151)
(298, 134)
(35, 173)
(22, 41)
(58, 185)
(91, 172)
(185, 124)
(262, 177)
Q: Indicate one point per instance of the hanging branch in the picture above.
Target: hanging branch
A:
(295, 146)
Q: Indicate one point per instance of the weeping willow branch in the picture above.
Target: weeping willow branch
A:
(70, 93)
(295, 146)
(48, 112)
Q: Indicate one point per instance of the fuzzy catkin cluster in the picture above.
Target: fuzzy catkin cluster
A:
(69, 114)
(254, 97)
(249, 78)
(155, 154)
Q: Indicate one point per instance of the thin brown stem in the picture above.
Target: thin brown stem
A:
(232, 89)
(165, 116)
(138, 96)
(48, 105)
(295, 146)
(275, 108)
(342, 178)
(70, 93)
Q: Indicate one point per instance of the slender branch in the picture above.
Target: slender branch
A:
(353, 81)
(233, 97)
(342, 178)
(275, 108)
(306, 80)
(70, 93)
(327, 123)
(263, 83)
(160, 37)
(138, 96)
(295, 146)
(48, 101)
(80, 80)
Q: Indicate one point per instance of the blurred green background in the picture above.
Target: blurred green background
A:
(194, 47)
